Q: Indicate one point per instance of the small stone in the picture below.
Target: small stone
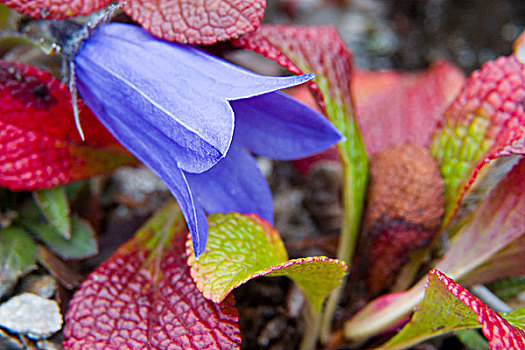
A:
(31, 315)
(47, 345)
(41, 285)
(7, 217)
(271, 331)
(519, 48)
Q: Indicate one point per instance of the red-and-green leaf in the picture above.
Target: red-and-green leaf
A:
(497, 223)
(321, 50)
(498, 331)
(318, 50)
(439, 313)
(486, 121)
(197, 21)
(144, 297)
(494, 232)
(508, 262)
(40, 146)
(516, 318)
(56, 9)
(242, 247)
(446, 307)
(395, 108)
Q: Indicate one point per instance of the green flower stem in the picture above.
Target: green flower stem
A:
(313, 322)
(355, 175)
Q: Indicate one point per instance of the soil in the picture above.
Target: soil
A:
(405, 35)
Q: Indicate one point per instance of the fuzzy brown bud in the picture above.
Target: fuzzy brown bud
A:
(404, 210)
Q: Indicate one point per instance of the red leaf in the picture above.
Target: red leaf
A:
(395, 108)
(143, 297)
(497, 224)
(322, 51)
(197, 21)
(509, 262)
(56, 9)
(307, 49)
(486, 121)
(499, 333)
(39, 143)
(391, 107)
(493, 233)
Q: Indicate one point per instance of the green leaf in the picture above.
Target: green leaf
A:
(4, 16)
(516, 317)
(242, 247)
(17, 256)
(440, 312)
(54, 205)
(81, 245)
(447, 307)
(321, 50)
(316, 276)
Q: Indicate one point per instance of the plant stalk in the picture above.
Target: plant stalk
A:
(313, 322)
(352, 208)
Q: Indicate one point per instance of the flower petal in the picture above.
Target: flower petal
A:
(152, 86)
(277, 126)
(234, 184)
(180, 89)
(192, 211)
(219, 77)
(188, 149)
(150, 146)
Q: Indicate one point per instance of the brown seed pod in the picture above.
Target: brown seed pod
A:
(404, 210)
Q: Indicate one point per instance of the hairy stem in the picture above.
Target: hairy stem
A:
(354, 185)
(313, 321)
